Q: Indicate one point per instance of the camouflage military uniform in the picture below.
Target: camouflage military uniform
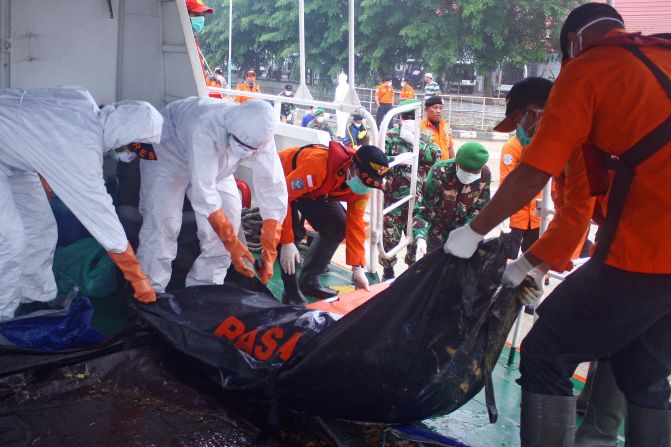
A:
(398, 186)
(314, 124)
(446, 203)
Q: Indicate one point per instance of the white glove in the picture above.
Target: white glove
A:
(505, 226)
(420, 248)
(359, 278)
(288, 258)
(515, 272)
(462, 242)
(530, 295)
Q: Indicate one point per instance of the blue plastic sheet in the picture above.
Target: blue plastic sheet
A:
(56, 329)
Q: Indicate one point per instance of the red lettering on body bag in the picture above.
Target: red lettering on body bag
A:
(260, 344)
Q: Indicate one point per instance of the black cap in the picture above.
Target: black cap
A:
(357, 117)
(580, 17)
(388, 78)
(373, 166)
(432, 101)
(288, 87)
(526, 92)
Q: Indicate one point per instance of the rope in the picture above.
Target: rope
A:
(251, 225)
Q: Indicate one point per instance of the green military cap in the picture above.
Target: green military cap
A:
(472, 156)
(405, 102)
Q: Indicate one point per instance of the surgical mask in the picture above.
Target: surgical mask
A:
(571, 52)
(357, 186)
(238, 150)
(521, 135)
(320, 119)
(402, 84)
(408, 130)
(467, 177)
(197, 24)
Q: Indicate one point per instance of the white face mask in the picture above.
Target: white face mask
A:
(467, 177)
(320, 119)
(402, 84)
(571, 51)
(238, 150)
(408, 130)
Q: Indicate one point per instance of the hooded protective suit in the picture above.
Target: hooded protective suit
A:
(61, 134)
(198, 156)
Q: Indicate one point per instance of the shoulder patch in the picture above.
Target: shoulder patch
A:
(507, 159)
(297, 184)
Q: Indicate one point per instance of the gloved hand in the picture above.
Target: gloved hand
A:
(132, 271)
(270, 236)
(420, 248)
(532, 291)
(462, 242)
(288, 258)
(505, 226)
(239, 252)
(362, 134)
(359, 277)
(515, 272)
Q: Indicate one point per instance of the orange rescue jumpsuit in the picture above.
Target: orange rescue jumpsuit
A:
(442, 136)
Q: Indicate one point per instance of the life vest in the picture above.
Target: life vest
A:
(337, 162)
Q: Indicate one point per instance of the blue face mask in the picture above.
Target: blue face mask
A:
(521, 135)
(197, 24)
(357, 186)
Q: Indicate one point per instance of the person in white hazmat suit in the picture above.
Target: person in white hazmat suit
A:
(204, 141)
(61, 134)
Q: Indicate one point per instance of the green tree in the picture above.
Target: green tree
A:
(388, 32)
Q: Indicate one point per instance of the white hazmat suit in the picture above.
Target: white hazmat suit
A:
(340, 94)
(61, 134)
(197, 156)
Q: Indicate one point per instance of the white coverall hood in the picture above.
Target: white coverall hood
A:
(252, 123)
(130, 122)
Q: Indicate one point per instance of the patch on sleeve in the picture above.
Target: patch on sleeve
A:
(297, 184)
(309, 179)
(361, 204)
(507, 159)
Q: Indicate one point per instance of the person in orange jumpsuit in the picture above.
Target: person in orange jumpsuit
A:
(407, 92)
(614, 93)
(384, 99)
(318, 179)
(248, 85)
(521, 113)
(440, 129)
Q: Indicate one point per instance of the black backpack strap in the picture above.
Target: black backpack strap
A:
(625, 168)
(294, 159)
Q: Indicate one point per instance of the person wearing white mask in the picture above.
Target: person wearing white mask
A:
(453, 194)
(204, 141)
(400, 140)
(61, 134)
(321, 122)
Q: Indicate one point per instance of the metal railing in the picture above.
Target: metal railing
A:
(464, 112)
(377, 209)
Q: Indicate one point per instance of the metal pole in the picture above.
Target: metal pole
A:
(611, 3)
(301, 38)
(230, 40)
(484, 105)
(513, 346)
(351, 43)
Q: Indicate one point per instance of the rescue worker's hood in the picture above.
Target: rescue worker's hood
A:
(130, 122)
(251, 122)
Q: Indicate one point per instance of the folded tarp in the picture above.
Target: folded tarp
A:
(423, 346)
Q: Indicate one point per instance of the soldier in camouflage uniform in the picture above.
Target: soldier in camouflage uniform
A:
(454, 192)
(321, 123)
(399, 140)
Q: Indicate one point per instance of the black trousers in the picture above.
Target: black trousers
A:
(381, 112)
(523, 239)
(601, 311)
(325, 216)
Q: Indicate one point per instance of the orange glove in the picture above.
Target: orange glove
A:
(238, 252)
(270, 237)
(132, 271)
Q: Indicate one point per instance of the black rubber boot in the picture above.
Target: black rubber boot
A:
(292, 293)
(647, 428)
(547, 421)
(605, 409)
(316, 260)
(581, 403)
(388, 273)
